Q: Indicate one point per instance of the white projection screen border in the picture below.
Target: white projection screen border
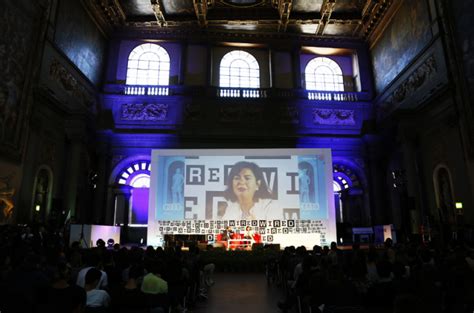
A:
(283, 195)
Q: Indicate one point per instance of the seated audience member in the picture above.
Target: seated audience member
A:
(408, 304)
(96, 298)
(155, 288)
(92, 261)
(63, 297)
(380, 295)
(129, 298)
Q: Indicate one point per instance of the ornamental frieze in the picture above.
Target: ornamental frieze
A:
(70, 84)
(192, 112)
(333, 117)
(246, 114)
(289, 115)
(144, 112)
(408, 87)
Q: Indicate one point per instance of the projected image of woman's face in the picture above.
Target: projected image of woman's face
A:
(245, 184)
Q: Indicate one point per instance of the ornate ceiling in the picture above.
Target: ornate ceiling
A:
(319, 18)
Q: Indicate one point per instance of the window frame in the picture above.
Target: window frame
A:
(148, 64)
(232, 77)
(329, 77)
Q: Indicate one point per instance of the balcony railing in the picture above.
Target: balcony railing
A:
(332, 96)
(146, 90)
(241, 92)
(250, 93)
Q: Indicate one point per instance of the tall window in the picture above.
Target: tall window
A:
(323, 74)
(148, 64)
(239, 69)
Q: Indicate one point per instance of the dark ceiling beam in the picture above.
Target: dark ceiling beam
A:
(160, 18)
(200, 7)
(284, 10)
(326, 10)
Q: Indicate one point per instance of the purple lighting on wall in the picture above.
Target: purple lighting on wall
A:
(139, 205)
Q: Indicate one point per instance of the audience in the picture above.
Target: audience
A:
(64, 297)
(39, 273)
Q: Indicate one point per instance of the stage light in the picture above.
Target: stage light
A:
(37, 208)
(458, 205)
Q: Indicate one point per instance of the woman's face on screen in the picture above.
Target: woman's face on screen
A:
(245, 184)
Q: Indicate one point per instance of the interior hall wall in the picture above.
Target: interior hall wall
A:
(46, 149)
(404, 37)
(21, 29)
(282, 70)
(440, 144)
(196, 65)
(63, 81)
(465, 38)
(80, 39)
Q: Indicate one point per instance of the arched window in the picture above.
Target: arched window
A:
(148, 64)
(136, 175)
(346, 181)
(323, 74)
(239, 69)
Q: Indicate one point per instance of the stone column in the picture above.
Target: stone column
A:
(210, 66)
(76, 138)
(183, 63)
(295, 56)
(126, 193)
(110, 205)
(100, 210)
(375, 181)
(412, 189)
(271, 54)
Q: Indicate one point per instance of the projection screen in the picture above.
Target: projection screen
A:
(284, 195)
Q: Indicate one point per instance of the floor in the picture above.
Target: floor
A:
(240, 293)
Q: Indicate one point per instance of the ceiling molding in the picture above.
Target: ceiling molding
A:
(373, 15)
(106, 14)
(196, 34)
(330, 18)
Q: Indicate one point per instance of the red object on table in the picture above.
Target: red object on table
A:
(257, 238)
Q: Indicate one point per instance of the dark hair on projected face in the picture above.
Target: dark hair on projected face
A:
(261, 193)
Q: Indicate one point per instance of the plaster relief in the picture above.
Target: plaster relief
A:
(333, 117)
(144, 112)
